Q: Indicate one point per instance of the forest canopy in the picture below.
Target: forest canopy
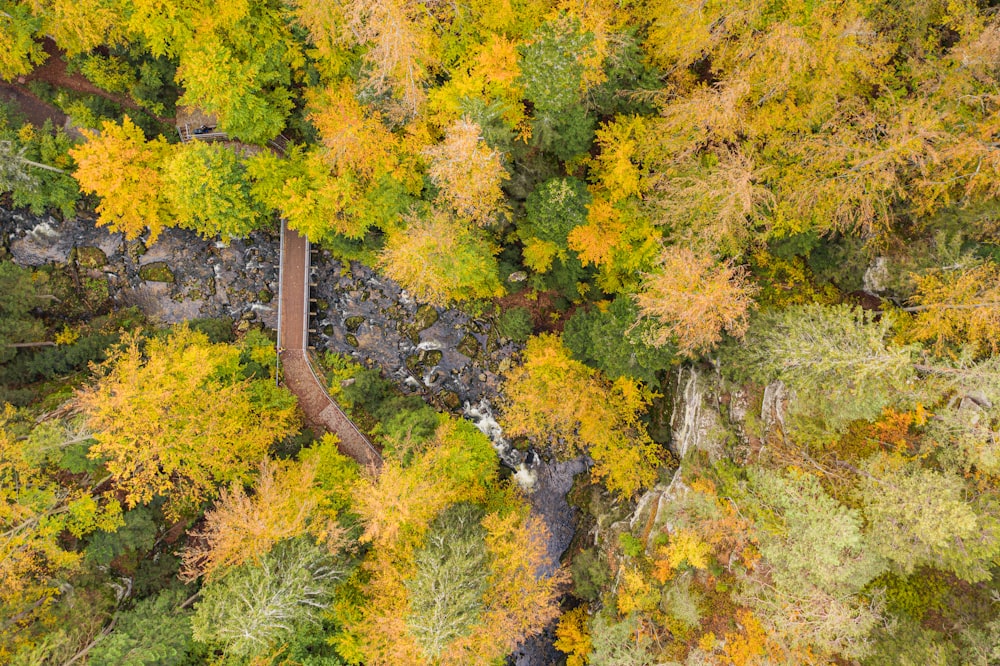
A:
(743, 257)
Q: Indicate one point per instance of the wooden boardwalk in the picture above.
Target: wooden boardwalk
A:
(293, 353)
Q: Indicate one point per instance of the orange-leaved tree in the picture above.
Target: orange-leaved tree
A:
(469, 173)
(692, 299)
(958, 307)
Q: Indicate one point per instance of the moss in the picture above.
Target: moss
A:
(426, 316)
(265, 296)
(157, 271)
(469, 346)
(90, 257)
(424, 360)
(450, 399)
(413, 363)
(353, 323)
(351, 340)
(328, 330)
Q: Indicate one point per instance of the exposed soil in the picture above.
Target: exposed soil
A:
(53, 71)
(541, 309)
(34, 109)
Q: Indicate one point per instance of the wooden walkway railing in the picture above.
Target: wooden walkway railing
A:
(293, 352)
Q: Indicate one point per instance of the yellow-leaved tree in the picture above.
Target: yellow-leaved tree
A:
(39, 508)
(175, 416)
(124, 170)
(958, 307)
(441, 260)
(554, 398)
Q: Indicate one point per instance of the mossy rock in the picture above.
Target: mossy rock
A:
(158, 271)
(352, 324)
(469, 346)
(450, 399)
(265, 296)
(322, 305)
(351, 339)
(90, 257)
(426, 316)
(425, 359)
(413, 363)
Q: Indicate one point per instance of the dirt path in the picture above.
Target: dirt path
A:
(34, 109)
(53, 71)
(293, 338)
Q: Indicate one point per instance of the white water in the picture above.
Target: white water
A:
(481, 416)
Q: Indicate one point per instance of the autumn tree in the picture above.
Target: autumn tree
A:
(691, 300)
(573, 636)
(354, 137)
(441, 260)
(553, 398)
(37, 509)
(469, 173)
(124, 170)
(209, 190)
(958, 307)
(175, 416)
(400, 48)
(19, 52)
(79, 27)
(242, 527)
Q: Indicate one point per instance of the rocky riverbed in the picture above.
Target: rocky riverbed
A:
(450, 358)
(180, 277)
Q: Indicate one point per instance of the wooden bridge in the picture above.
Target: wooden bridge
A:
(293, 352)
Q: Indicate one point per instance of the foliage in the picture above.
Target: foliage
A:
(837, 359)
(692, 301)
(21, 53)
(207, 186)
(552, 397)
(256, 605)
(446, 592)
(958, 307)
(621, 643)
(516, 324)
(181, 380)
(814, 558)
(468, 173)
(36, 509)
(607, 338)
(922, 518)
(440, 260)
(573, 637)
(153, 632)
(19, 294)
(122, 168)
(36, 163)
